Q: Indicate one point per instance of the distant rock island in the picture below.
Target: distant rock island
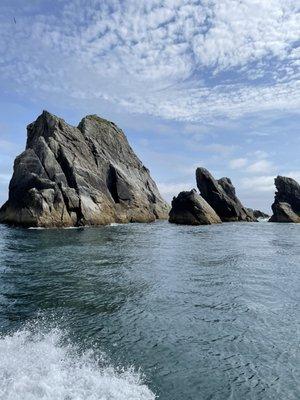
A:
(286, 206)
(258, 214)
(220, 195)
(217, 202)
(85, 175)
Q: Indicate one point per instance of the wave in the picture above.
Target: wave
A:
(36, 365)
(115, 224)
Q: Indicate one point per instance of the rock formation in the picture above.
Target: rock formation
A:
(286, 206)
(220, 195)
(189, 208)
(258, 214)
(88, 175)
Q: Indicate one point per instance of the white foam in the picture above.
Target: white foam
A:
(36, 366)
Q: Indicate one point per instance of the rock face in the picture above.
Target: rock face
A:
(286, 206)
(189, 208)
(88, 175)
(220, 195)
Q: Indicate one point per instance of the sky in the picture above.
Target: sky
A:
(212, 83)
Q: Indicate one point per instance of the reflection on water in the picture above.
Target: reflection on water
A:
(206, 312)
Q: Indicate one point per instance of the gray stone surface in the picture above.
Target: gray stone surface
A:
(88, 175)
(189, 208)
(220, 195)
(286, 206)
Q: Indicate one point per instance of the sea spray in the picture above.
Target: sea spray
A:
(39, 365)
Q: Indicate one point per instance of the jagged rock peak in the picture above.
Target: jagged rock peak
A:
(85, 175)
(220, 195)
(286, 206)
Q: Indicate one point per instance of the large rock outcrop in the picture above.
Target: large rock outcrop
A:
(286, 206)
(88, 175)
(220, 195)
(189, 208)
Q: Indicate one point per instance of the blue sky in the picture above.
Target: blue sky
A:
(211, 83)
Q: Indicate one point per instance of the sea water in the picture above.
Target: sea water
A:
(145, 311)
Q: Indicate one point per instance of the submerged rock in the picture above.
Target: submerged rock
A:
(88, 175)
(220, 195)
(286, 206)
(189, 208)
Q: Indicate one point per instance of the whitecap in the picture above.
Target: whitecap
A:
(35, 366)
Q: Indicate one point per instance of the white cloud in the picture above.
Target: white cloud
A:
(152, 56)
(237, 163)
(264, 183)
(261, 167)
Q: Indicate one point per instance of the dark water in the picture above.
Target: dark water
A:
(129, 311)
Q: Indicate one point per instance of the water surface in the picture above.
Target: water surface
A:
(143, 310)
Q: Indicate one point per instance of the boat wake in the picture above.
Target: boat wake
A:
(38, 366)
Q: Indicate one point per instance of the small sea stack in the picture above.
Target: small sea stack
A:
(85, 175)
(220, 195)
(286, 206)
(189, 208)
(258, 214)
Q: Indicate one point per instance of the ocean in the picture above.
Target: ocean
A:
(150, 311)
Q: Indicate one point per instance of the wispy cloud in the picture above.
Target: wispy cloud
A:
(177, 59)
(237, 163)
(261, 167)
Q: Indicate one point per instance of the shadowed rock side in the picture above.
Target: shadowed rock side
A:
(189, 208)
(220, 195)
(88, 175)
(286, 206)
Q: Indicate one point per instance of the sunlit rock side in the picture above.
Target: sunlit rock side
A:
(286, 206)
(85, 175)
(189, 208)
(220, 195)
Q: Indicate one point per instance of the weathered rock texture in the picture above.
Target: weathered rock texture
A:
(88, 175)
(286, 206)
(189, 208)
(220, 195)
